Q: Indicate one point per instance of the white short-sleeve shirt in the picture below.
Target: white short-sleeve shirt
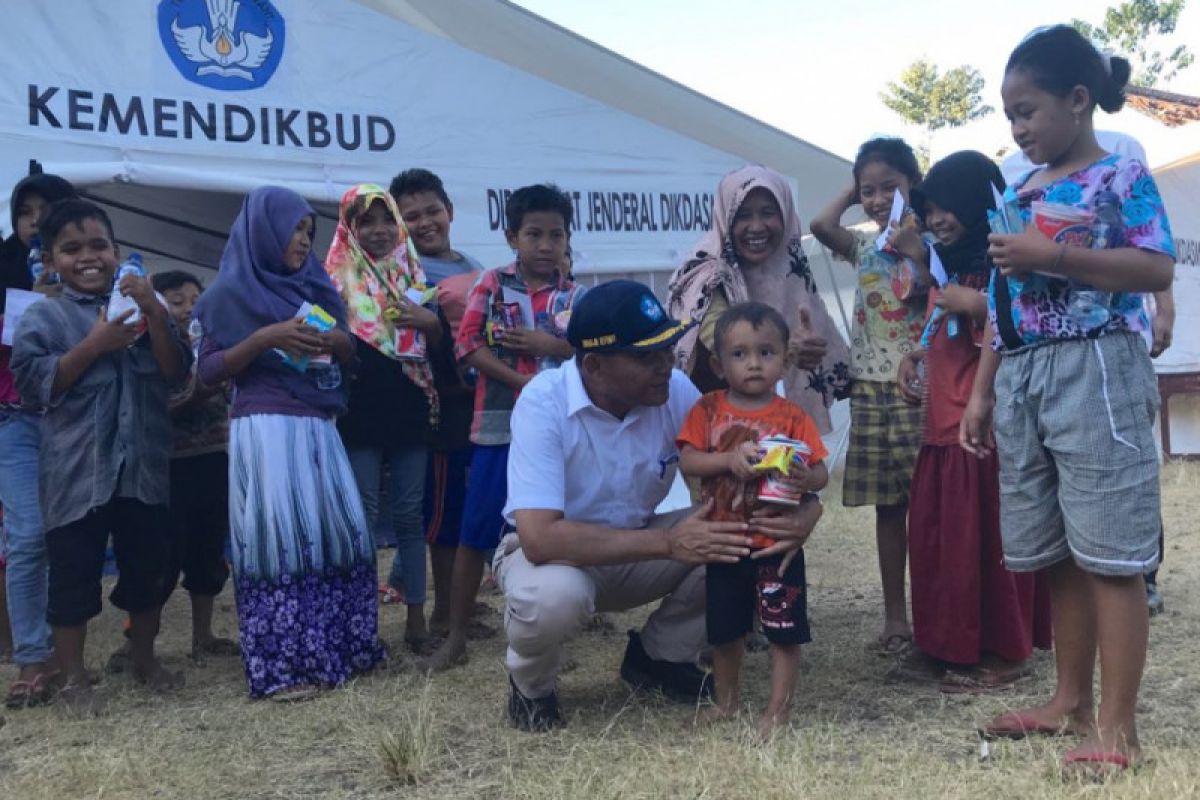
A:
(568, 455)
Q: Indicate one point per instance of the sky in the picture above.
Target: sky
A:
(814, 68)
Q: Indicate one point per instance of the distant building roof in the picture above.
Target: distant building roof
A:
(1168, 108)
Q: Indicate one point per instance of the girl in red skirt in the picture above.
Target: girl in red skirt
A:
(969, 612)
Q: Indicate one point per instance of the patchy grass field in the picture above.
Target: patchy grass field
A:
(855, 734)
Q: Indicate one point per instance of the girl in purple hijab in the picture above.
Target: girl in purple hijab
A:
(303, 559)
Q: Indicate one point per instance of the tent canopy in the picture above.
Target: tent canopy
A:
(318, 95)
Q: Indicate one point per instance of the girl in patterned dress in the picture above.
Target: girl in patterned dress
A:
(303, 558)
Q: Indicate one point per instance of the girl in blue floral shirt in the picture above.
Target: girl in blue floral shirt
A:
(1073, 392)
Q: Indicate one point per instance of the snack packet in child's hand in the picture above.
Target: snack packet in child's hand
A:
(410, 342)
(315, 317)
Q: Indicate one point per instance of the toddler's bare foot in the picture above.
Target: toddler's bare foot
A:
(715, 714)
(769, 724)
(157, 678)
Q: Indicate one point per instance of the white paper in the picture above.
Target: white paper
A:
(998, 199)
(894, 217)
(512, 295)
(414, 295)
(936, 269)
(17, 302)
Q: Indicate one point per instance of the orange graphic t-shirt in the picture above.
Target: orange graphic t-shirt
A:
(714, 425)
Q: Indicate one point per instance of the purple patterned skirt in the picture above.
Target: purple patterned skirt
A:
(303, 559)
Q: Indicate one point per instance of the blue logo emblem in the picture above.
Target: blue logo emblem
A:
(651, 309)
(228, 45)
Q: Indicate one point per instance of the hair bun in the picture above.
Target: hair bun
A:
(1113, 96)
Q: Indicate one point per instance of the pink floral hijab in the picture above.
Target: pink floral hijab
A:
(784, 282)
(370, 288)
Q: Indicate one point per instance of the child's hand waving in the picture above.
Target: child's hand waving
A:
(742, 460)
(1017, 254)
(109, 337)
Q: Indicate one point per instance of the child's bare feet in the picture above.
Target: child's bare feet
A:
(714, 714)
(452, 653)
(1051, 719)
(78, 700)
(213, 646)
(769, 723)
(157, 678)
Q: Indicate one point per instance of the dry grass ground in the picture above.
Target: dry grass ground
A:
(854, 735)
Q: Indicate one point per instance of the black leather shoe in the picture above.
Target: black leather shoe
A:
(533, 715)
(681, 682)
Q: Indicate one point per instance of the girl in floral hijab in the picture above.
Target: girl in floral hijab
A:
(393, 403)
(373, 277)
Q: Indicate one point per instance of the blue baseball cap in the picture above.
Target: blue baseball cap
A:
(622, 316)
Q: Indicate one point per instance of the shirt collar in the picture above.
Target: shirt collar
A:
(557, 282)
(577, 396)
(83, 299)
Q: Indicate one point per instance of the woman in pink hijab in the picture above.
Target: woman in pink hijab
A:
(753, 252)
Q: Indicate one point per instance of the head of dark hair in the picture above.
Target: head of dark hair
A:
(415, 180)
(538, 197)
(1059, 58)
(71, 211)
(174, 279)
(757, 314)
(890, 151)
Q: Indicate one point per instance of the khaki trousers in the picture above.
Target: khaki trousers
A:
(547, 605)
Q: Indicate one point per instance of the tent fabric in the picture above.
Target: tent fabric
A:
(506, 99)
(1179, 185)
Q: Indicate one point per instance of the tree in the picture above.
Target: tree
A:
(933, 101)
(1135, 29)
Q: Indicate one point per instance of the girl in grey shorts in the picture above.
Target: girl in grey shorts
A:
(1072, 391)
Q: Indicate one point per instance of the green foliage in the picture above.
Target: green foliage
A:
(1134, 29)
(934, 101)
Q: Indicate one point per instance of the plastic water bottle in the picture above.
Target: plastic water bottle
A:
(1090, 308)
(119, 304)
(36, 267)
(195, 334)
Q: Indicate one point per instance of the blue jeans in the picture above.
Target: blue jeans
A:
(405, 494)
(28, 564)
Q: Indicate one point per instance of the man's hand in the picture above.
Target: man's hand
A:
(696, 540)
(805, 348)
(109, 337)
(790, 529)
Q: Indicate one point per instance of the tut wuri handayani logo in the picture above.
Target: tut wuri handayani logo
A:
(229, 45)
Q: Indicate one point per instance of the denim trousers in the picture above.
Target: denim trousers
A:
(28, 565)
(403, 497)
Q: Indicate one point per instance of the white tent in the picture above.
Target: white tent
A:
(1179, 184)
(170, 130)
